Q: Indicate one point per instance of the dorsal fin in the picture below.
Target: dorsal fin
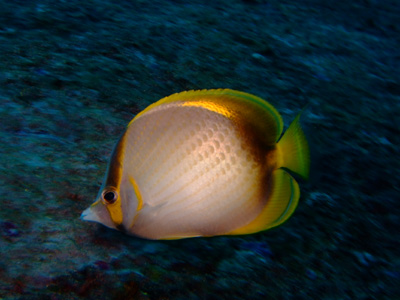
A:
(258, 113)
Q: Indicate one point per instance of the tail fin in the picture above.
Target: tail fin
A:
(294, 151)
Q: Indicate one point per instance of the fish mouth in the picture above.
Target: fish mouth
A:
(98, 213)
(88, 215)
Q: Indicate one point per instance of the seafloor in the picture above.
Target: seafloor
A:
(72, 75)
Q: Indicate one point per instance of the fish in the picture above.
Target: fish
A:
(203, 163)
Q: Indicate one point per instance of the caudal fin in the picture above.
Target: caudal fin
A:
(294, 151)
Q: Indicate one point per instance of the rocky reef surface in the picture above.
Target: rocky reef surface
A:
(73, 74)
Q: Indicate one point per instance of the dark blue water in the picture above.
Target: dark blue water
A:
(74, 73)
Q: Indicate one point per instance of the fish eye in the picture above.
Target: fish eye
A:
(109, 196)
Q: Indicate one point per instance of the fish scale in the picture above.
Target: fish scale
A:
(180, 179)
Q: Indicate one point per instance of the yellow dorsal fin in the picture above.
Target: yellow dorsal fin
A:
(279, 207)
(293, 151)
(263, 118)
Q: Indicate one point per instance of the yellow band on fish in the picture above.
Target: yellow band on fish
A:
(137, 193)
(115, 211)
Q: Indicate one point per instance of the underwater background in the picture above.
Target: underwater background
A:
(74, 73)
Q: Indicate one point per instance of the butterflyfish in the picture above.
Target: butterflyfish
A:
(203, 163)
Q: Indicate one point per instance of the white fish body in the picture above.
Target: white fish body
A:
(192, 165)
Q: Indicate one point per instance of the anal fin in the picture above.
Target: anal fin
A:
(280, 206)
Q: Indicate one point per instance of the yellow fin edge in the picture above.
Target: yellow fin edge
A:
(279, 207)
(196, 95)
